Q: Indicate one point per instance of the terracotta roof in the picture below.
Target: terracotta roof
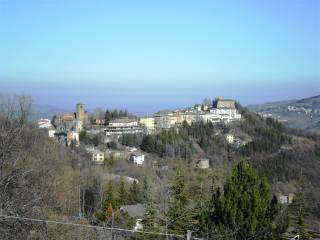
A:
(68, 117)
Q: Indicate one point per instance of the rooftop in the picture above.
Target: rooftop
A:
(123, 120)
(224, 103)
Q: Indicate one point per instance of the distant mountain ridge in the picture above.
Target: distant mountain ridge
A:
(302, 114)
(46, 111)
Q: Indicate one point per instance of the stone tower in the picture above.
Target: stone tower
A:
(80, 112)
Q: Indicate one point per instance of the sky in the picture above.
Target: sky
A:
(150, 55)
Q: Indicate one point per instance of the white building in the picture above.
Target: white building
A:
(123, 126)
(203, 163)
(164, 120)
(229, 138)
(225, 109)
(97, 157)
(137, 159)
(283, 199)
(222, 110)
(286, 198)
(123, 122)
(51, 133)
(44, 123)
(139, 225)
(225, 114)
(148, 123)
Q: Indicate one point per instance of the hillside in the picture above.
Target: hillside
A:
(44, 179)
(302, 114)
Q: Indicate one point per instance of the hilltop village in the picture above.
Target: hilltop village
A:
(69, 125)
(72, 127)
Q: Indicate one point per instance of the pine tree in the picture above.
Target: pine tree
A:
(298, 209)
(134, 193)
(145, 191)
(107, 117)
(110, 194)
(245, 206)
(150, 215)
(179, 216)
(123, 196)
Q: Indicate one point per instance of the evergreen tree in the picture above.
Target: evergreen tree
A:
(123, 196)
(107, 117)
(179, 216)
(134, 193)
(298, 209)
(245, 206)
(145, 191)
(148, 144)
(110, 194)
(54, 121)
(150, 215)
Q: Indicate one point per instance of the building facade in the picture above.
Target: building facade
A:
(44, 123)
(122, 126)
(221, 111)
(81, 113)
(203, 163)
(97, 157)
(148, 123)
(137, 159)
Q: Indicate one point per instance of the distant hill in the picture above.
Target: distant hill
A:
(46, 111)
(302, 114)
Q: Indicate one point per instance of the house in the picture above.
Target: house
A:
(51, 133)
(123, 122)
(139, 225)
(131, 149)
(99, 121)
(68, 116)
(137, 159)
(229, 138)
(203, 163)
(44, 123)
(285, 198)
(225, 115)
(97, 157)
(290, 197)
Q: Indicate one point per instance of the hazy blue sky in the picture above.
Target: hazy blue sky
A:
(149, 55)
